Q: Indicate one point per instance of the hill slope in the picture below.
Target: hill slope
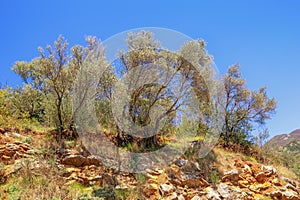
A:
(30, 168)
(287, 146)
(284, 139)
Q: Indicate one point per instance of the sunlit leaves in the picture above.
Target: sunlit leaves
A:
(244, 108)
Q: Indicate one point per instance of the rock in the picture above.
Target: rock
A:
(238, 194)
(180, 197)
(180, 162)
(90, 175)
(5, 158)
(269, 170)
(174, 176)
(212, 194)
(154, 171)
(196, 198)
(31, 152)
(191, 166)
(190, 193)
(74, 160)
(260, 187)
(19, 164)
(231, 176)
(290, 195)
(255, 180)
(70, 170)
(151, 189)
(173, 196)
(195, 183)
(232, 172)
(126, 181)
(247, 169)
(243, 183)
(285, 195)
(151, 176)
(157, 178)
(166, 189)
(223, 190)
(79, 160)
(10, 152)
(260, 177)
(2, 130)
(276, 182)
(289, 181)
(13, 134)
(276, 194)
(290, 186)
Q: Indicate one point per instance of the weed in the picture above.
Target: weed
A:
(251, 158)
(141, 178)
(214, 177)
(13, 192)
(128, 194)
(70, 143)
(28, 139)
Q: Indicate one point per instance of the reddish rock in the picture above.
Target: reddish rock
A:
(79, 160)
(276, 182)
(195, 183)
(2, 130)
(231, 176)
(150, 190)
(243, 183)
(261, 177)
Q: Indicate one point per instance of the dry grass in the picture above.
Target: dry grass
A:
(225, 161)
(36, 179)
(285, 172)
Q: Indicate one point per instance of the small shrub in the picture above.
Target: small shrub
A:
(141, 179)
(214, 177)
(28, 140)
(251, 158)
(70, 143)
(13, 192)
(127, 194)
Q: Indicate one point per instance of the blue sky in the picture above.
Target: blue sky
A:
(263, 36)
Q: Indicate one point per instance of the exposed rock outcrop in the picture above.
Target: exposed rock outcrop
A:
(182, 180)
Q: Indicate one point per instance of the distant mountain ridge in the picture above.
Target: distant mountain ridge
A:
(285, 139)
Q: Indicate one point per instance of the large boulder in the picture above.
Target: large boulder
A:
(80, 161)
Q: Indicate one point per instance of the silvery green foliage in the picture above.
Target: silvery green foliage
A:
(155, 91)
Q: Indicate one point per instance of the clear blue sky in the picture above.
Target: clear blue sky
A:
(263, 36)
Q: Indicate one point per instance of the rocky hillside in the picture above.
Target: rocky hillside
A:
(31, 169)
(287, 147)
(285, 139)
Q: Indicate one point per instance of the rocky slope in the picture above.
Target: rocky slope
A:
(287, 147)
(184, 179)
(284, 139)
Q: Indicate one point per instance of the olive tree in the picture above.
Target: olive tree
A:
(243, 108)
(54, 73)
(182, 74)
